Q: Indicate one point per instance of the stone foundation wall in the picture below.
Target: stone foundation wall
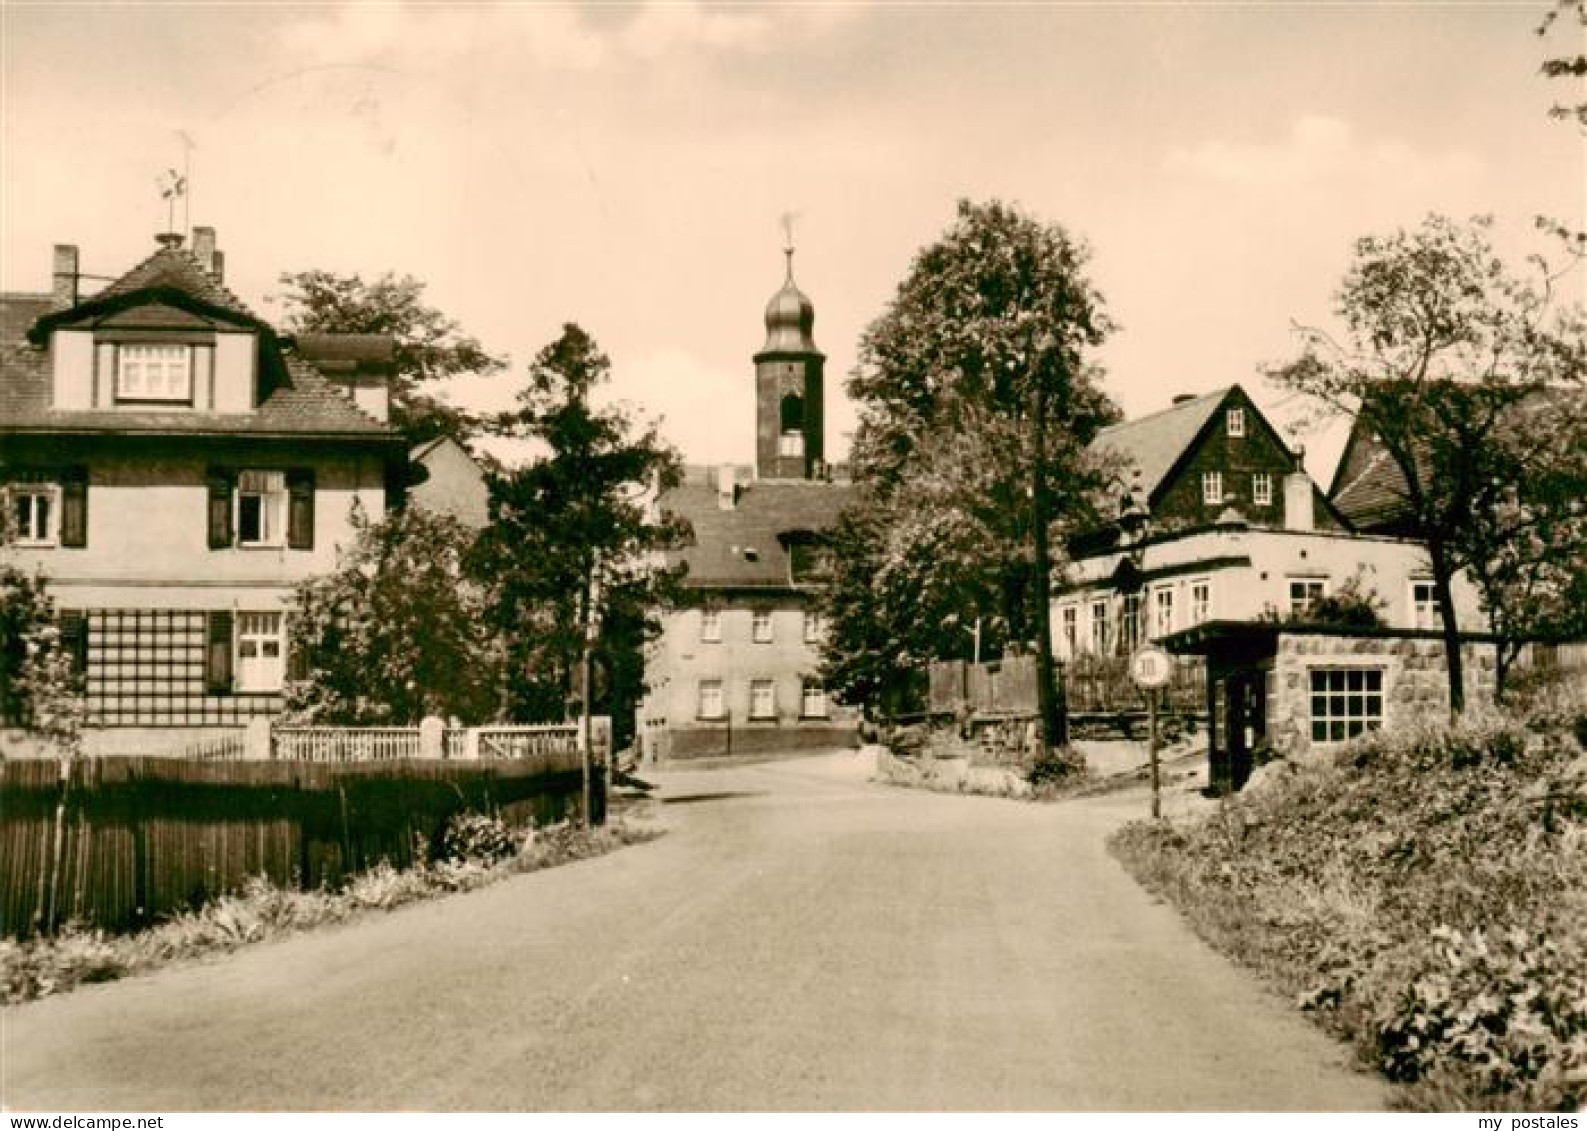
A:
(1415, 680)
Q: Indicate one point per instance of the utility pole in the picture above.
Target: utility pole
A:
(1052, 728)
(587, 676)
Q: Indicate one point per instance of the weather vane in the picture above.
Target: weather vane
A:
(787, 220)
(173, 187)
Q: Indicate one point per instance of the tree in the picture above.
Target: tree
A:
(396, 633)
(430, 347)
(1442, 345)
(1571, 65)
(40, 687)
(1526, 546)
(976, 406)
(573, 540)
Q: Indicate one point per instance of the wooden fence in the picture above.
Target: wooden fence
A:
(118, 843)
(1093, 685)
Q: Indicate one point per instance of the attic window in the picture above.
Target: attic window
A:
(157, 372)
(1235, 418)
(751, 554)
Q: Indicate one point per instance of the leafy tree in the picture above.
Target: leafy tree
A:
(573, 538)
(430, 347)
(1571, 65)
(976, 405)
(396, 633)
(40, 689)
(1441, 346)
(1526, 547)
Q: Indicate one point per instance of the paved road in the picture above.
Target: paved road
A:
(801, 939)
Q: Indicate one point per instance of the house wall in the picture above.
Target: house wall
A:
(1249, 572)
(1415, 680)
(148, 523)
(680, 660)
(147, 581)
(455, 487)
(1237, 458)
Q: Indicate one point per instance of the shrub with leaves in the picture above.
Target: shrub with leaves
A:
(478, 836)
(1424, 893)
(261, 910)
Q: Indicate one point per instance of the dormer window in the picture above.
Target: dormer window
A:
(154, 373)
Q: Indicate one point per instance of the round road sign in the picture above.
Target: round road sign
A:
(1151, 667)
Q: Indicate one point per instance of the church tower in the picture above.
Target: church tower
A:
(789, 419)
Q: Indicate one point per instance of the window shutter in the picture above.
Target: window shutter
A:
(300, 508)
(74, 507)
(220, 483)
(217, 653)
(74, 639)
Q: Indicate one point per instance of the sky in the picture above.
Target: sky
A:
(626, 166)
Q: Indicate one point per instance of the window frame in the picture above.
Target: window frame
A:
(50, 494)
(1200, 606)
(813, 688)
(1069, 627)
(1212, 487)
(710, 626)
(1321, 581)
(719, 687)
(273, 508)
(758, 689)
(814, 627)
(1162, 611)
(126, 351)
(1262, 488)
(1367, 712)
(1131, 629)
(1434, 618)
(1234, 421)
(1101, 626)
(761, 619)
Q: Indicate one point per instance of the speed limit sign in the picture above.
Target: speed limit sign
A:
(1151, 667)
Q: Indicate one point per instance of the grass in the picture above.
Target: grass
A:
(487, 853)
(1423, 894)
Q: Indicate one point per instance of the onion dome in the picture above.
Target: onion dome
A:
(790, 316)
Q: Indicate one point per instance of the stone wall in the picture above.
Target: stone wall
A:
(1415, 679)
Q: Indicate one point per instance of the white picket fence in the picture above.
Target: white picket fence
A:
(432, 740)
(344, 744)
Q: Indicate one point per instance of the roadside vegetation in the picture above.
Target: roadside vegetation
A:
(1423, 894)
(475, 850)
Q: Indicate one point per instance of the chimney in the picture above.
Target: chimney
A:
(1181, 398)
(63, 290)
(204, 248)
(168, 239)
(726, 487)
(1298, 496)
(217, 265)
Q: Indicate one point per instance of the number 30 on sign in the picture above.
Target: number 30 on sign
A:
(1151, 667)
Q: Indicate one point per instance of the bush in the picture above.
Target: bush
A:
(261, 910)
(477, 836)
(1424, 894)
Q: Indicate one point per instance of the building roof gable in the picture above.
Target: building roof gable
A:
(1156, 444)
(748, 546)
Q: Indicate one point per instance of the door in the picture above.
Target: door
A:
(261, 653)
